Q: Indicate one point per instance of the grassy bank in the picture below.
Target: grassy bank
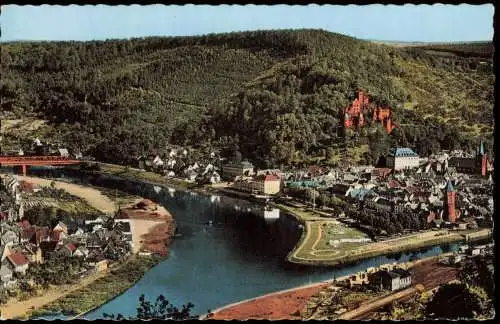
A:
(308, 252)
(351, 258)
(143, 176)
(102, 290)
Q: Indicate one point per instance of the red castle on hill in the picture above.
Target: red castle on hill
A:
(354, 114)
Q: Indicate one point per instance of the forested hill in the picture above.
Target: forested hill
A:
(276, 96)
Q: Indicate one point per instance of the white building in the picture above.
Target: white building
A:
(402, 158)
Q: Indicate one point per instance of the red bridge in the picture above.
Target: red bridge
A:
(25, 161)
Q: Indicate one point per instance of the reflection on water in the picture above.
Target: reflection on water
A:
(224, 254)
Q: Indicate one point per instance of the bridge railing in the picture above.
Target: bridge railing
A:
(34, 158)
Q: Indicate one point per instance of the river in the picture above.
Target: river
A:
(227, 252)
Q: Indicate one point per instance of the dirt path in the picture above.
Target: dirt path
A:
(15, 308)
(93, 196)
(376, 304)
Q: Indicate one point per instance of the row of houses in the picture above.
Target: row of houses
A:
(96, 242)
(390, 277)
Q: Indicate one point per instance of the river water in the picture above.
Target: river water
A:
(227, 252)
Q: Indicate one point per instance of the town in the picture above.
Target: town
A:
(411, 194)
(247, 167)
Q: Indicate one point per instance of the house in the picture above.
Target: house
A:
(263, 184)
(57, 236)
(438, 222)
(60, 227)
(268, 184)
(6, 276)
(81, 252)
(9, 237)
(381, 173)
(455, 259)
(67, 250)
(4, 217)
(33, 253)
(24, 224)
(111, 251)
(314, 171)
(232, 170)
(339, 189)
(124, 228)
(100, 266)
(18, 262)
(402, 158)
(41, 234)
(94, 242)
(78, 232)
(191, 175)
(392, 280)
(157, 162)
(214, 177)
(63, 152)
(48, 248)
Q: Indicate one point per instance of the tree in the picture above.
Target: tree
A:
(160, 310)
(311, 194)
(455, 301)
(475, 272)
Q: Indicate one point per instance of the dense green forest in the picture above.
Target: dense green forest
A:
(275, 96)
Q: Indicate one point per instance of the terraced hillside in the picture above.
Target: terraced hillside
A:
(275, 96)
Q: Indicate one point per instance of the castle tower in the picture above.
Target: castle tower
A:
(450, 202)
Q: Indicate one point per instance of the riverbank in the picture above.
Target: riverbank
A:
(112, 284)
(151, 232)
(311, 251)
(291, 303)
(313, 247)
(143, 176)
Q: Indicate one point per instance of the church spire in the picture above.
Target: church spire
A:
(450, 186)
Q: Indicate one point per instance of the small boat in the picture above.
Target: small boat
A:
(261, 197)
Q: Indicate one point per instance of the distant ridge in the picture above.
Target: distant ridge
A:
(409, 43)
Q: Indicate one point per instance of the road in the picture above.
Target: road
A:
(15, 308)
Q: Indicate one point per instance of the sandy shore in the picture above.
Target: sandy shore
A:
(285, 304)
(142, 228)
(93, 196)
(139, 228)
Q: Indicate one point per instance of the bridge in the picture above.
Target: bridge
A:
(25, 161)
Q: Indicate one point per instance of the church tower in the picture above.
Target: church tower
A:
(450, 202)
(484, 160)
